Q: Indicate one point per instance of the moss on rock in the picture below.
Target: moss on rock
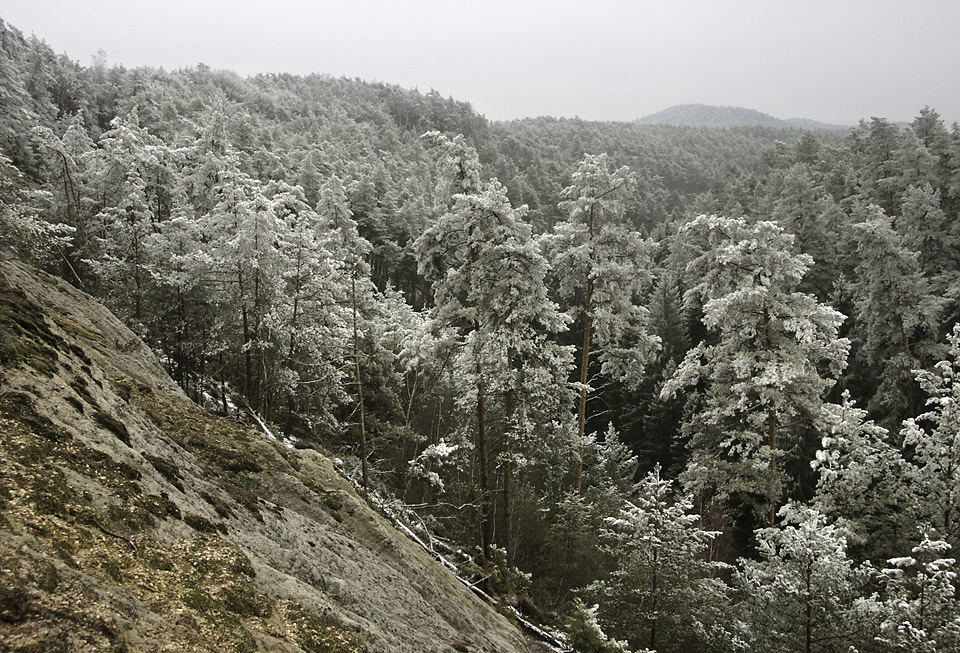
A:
(25, 336)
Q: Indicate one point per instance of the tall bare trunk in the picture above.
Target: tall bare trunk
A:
(508, 493)
(486, 500)
(772, 428)
(808, 621)
(356, 369)
(585, 360)
(911, 392)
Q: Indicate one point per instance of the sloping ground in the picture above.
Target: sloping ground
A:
(130, 520)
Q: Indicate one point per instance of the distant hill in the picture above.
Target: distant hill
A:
(806, 123)
(705, 115)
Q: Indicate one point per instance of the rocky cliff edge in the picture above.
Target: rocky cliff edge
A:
(132, 520)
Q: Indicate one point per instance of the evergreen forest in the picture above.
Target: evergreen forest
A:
(664, 388)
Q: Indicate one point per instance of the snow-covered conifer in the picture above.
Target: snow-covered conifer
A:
(662, 593)
(773, 354)
(933, 439)
(921, 611)
(601, 267)
(804, 593)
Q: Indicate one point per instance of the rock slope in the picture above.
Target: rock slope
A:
(131, 520)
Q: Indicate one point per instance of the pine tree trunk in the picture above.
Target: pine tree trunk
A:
(245, 318)
(911, 393)
(73, 201)
(584, 376)
(508, 497)
(223, 388)
(356, 367)
(258, 309)
(486, 505)
(653, 622)
(585, 356)
(247, 361)
(772, 428)
(508, 502)
(137, 276)
(808, 623)
(772, 433)
(292, 345)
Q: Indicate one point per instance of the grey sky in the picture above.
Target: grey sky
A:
(835, 61)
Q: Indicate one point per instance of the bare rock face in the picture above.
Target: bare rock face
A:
(131, 520)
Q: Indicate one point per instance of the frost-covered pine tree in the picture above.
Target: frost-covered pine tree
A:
(872, 173)
(488, 282)
(188, 325)
(804, 593)
(64, 163)
(921, 611)
(934, 441)
(131, 187)
(352, 250)
(242, 231)
(602, 266)
(663, 593)
(613, 477)
(22, 224)
(798, 200)
(927, 228)
(310, 318)
(896, 313)
(864, 482)
(772, 355)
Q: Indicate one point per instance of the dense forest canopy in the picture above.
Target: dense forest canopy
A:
(676, 387)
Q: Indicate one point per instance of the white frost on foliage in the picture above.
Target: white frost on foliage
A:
(435, 455)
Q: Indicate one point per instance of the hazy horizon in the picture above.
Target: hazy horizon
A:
(609, 60)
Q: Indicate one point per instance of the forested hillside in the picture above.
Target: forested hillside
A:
(671, 387)
(704, 115)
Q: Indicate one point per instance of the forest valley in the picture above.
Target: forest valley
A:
(673, 388)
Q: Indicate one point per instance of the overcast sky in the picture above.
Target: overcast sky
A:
(830, 60)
